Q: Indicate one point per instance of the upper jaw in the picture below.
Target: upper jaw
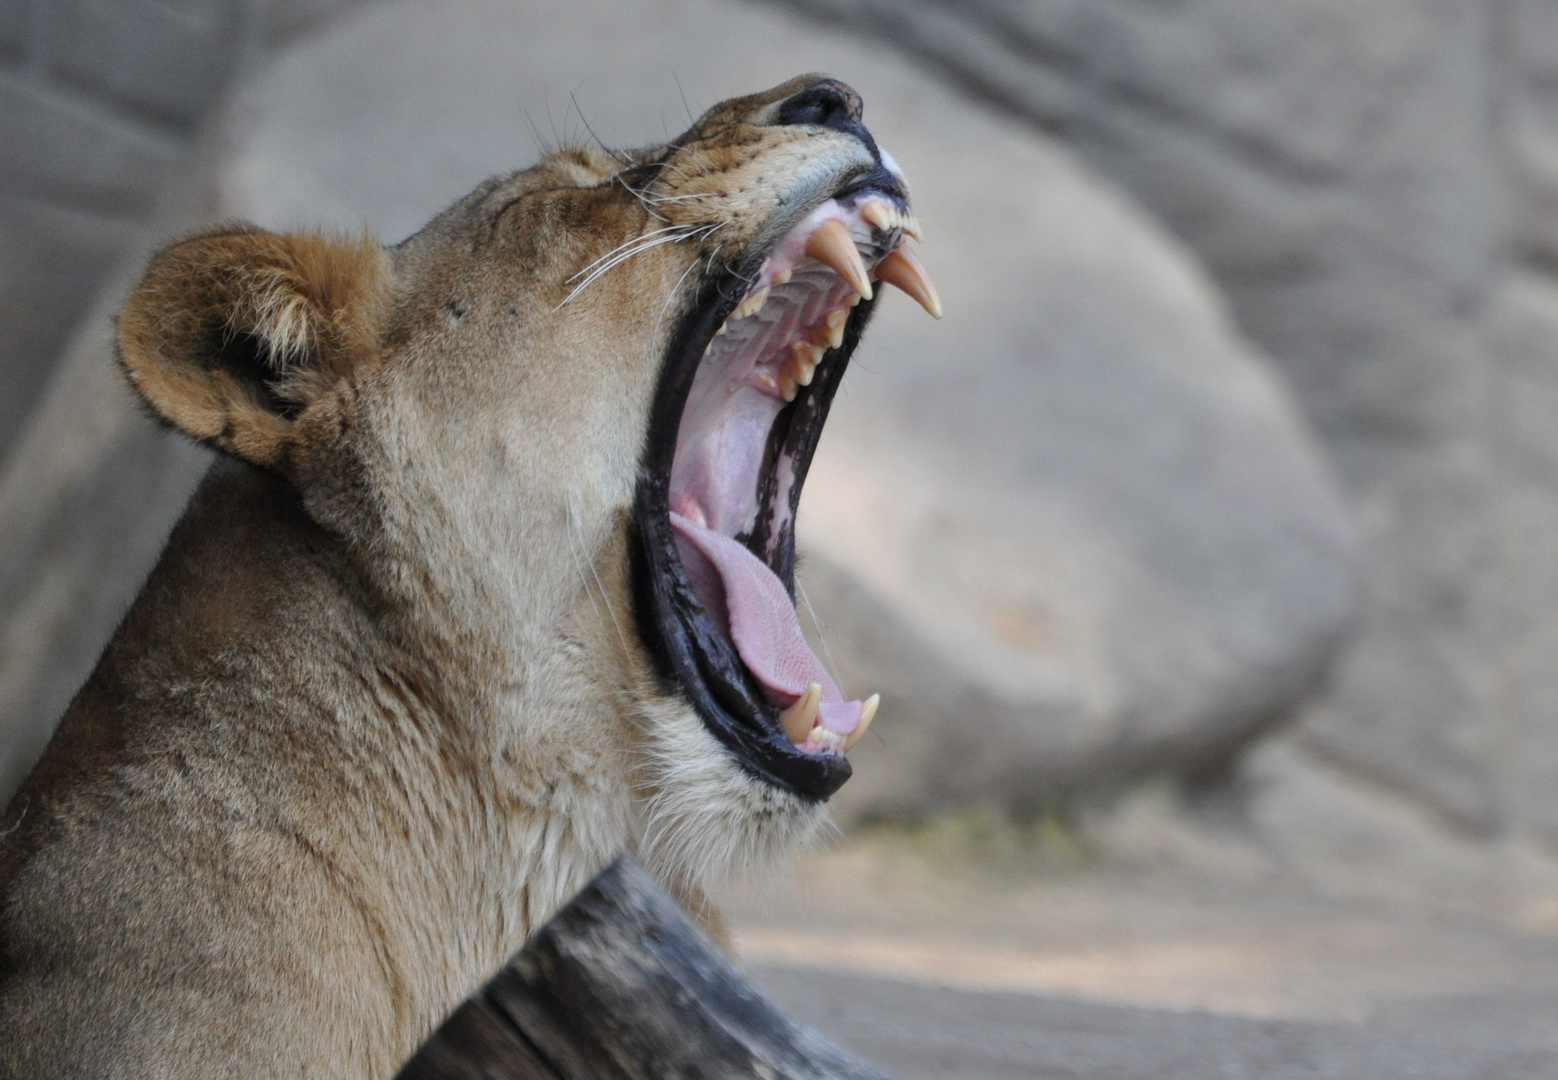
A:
(714, 545)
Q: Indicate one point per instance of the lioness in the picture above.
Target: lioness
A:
(495, 583)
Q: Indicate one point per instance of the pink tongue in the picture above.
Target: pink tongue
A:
(764, 627)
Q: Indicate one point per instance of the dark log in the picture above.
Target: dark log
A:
(621, 986)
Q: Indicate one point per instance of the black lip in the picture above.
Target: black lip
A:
(688, 651)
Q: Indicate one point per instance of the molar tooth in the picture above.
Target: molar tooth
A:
(801, 717)
(788, 385)
(901, 269)
(803, 361)
(832, 246)
(752, 304)
(867, 714)
(837, 319)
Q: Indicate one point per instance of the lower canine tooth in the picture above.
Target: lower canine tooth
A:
(798, 720)
(867, 714)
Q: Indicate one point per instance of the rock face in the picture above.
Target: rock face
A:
(1075, 531)
(100, 105)
(1374, 184)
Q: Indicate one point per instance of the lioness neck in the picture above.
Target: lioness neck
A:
(413, 824)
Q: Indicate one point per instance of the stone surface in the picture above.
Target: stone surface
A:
(1075, 531)
(1362, 179)
(969, 949)
(87, 498)
(49, 257)
(99, 102)
(184, 51)
(66, 151)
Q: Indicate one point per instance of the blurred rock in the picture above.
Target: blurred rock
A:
(1088, 498)
(1363, 179)
(87, 497)
(1075, 531)
(100, 107)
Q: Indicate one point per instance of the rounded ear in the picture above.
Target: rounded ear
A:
(235, 332)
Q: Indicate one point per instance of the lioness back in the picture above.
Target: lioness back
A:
(495, 582)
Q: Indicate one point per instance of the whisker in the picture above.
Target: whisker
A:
(624, 253)
(822, 639)
(599, 584)
(627, 244)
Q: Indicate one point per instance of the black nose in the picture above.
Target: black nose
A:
(828, 104)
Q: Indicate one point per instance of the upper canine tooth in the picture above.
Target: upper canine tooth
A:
(800, 717)
(911, 225)
(832, 246)
(867, 714)
(901, 269)
(877, 213)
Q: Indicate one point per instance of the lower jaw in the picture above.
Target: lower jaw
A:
(755, 740)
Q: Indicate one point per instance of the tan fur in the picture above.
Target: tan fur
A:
(381, 707)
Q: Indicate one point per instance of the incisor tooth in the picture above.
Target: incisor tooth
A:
(832, 246)
(903, 270)
(801, 717)
(822, 738)
(867, 714)
(877, 213)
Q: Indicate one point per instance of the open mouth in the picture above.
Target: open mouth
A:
(741, 404)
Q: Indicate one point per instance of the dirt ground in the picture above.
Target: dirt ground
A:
(985, 949)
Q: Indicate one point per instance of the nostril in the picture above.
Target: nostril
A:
(824, 105)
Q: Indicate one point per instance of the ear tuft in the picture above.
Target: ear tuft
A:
(235, 332)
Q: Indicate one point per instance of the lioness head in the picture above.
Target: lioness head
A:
(574, 413)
